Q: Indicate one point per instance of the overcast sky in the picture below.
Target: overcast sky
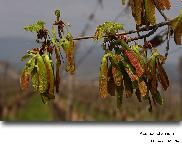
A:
(14, 14)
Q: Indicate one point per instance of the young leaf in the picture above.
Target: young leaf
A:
(35, 27)
(108, 28)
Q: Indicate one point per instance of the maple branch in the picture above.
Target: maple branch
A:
(146, 28)
(144, 36)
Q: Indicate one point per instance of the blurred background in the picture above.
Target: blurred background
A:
(78, 99)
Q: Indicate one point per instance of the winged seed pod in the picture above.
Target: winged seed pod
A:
(103, 78)
(26, 73)
(50, 76)
(42, 74)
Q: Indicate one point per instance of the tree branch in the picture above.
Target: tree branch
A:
(146, 28)
(144, 36)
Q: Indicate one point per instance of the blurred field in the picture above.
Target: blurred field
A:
(86, 105)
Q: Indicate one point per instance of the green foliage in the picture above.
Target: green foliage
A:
(40, 67)
(108, 28)
(35, 27)
(132, 71)
(125, 68)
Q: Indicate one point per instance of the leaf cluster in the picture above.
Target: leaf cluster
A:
(41, 69)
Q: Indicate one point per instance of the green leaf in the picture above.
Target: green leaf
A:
(35, 27)
(108, 28)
